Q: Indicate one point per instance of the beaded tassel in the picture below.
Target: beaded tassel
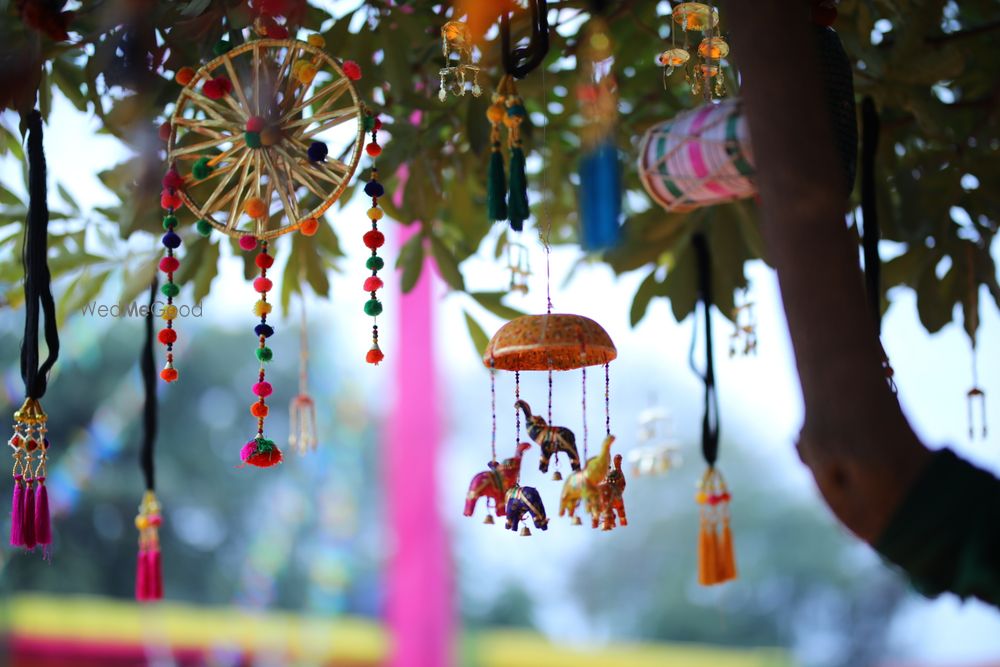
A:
(149, 569)
(170, 201)
(374, 239)
(716, 560)
(30, 523)
(261, 451)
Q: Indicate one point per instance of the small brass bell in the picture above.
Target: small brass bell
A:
(557, 476)
(489, 519)
(525, 532)
(576, 521)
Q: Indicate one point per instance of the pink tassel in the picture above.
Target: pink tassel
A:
(156, 576)
(141, 577)
(17, 513)
(43, 524)
(28, 515)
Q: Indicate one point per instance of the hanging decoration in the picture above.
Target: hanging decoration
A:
(303, 435)
(171, 202)
(30, 520)
(743, 340)
(149, 568)
(654, 455)
(456, 47)
(373, 240)
(249, 144)
(716, 559)
(701, 59)
(600, 173)
(975, 394)
(519, 267)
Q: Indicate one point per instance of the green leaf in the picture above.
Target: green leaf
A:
(492, 301)
(411, 261)
(447, 266)
(478, 335)
(640, 302)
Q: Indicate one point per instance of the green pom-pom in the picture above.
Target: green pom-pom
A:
(368, 122)
(169, 221)
(375, 263)
(252, 139)
(222, 47)
(516, 110)
(170, 290)
(373, 307)
(264, 445)
(201, 169)
(204, 227)
(264, 354)
(517, 203)
(496, 187)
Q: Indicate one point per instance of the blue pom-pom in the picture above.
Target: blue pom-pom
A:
(517, 110)
(265, 330)
(171, 240)
(374, 189)
(317, 151)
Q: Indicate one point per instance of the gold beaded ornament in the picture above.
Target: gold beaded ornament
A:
(701, 61)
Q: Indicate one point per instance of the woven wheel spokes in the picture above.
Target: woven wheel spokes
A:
(212, 133)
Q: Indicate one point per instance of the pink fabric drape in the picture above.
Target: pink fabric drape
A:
(419, 587)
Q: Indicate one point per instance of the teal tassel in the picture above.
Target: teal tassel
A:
(517, 209)
(496, 187)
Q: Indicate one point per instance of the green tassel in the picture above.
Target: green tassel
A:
(496, 187)
(517, 207)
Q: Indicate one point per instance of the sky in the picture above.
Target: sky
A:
(759, 395)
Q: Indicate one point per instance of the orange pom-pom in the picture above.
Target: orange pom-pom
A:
(374, 355)
(309, 227)
(168, 374)
(184, 75)
(255, 207)
(259, 409)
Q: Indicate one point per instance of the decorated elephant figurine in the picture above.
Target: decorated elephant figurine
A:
(551, 439)
(523, 500)
(584, 485)
(612, 491)
(494, 483)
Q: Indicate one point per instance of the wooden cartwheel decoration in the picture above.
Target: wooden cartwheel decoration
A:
(254, 140)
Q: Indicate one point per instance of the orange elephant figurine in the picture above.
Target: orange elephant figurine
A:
(494, 483)
(612, 492)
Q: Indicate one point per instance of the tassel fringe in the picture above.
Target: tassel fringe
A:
(149, 567)
(716, 557)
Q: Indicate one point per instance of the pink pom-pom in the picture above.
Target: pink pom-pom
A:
(247, 242)
(172, 180)
(262, 389)
(262, 284)
(255, 124)
(248, 451)
(373, 283)
(169, 264)
(351, 70)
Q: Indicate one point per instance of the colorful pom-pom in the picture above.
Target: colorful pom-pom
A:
(201, 169)
(264, 354)
(262, 284)
(169, 312)
(167, 336)
(217, 88)
(204, 227)
(262, 389)
(373, 283)
(374, 239)
(277, 32)
(374, 189)
(261, 308)
(306, 73)
(169, 264)
(184, 75)
(171, 240)
(264, 261)
(170, 201)
(374, 355)
(375, 213)
(168, 374)
(248, 242)
(269, 136)
(375, 263)
(169, 222)
(261, 452)
(255, 207)
(373, 149)
(265, 330)
(172, 180)
(309, 227)
(318, 151)
(252, 139)
(316, 40)
(351, 70)
(170, 290)
(368, 122)
(495, 113)
(517, 111)
(255, 124)
(222, 47)
(164, 131)
(373, 307)
(378, 124)
(259, 409)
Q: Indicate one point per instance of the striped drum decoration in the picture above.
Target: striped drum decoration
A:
(700, 158)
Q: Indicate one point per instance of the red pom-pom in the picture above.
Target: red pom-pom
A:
(170, 201)
(272, 7)
(262, 284)
(265, 459)
(277, 32)
(169, 264)
(374, 355)
(309, 227)
(374, 239)
(378, 124)
(248, 242)
(164, 131)
(172, 180)
(351, 70)
(373, 149)
(255, 124)
(264, 261)
(373, 283)
(259, 410)
(168, 374)
(823, 15)
(167, 336)
(217, 88)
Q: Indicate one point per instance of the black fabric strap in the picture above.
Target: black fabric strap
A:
(710, 420)
(147, 365)
(37, 292)
(519, 62)
(869, 210)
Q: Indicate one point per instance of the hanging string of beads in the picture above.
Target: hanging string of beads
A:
(374, 239)
(493, 414)
(607, 399)
(170, 201)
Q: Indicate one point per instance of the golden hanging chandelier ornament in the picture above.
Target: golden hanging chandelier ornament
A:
(457, 72)
(702, 59)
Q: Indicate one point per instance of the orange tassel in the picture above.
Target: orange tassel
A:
(727, 558)
(707, 553)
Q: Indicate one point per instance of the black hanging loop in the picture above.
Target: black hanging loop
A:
(147, 366)
(37, 292)
(710, 420)
(522, 60)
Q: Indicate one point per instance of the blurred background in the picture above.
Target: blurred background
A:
(293, 566)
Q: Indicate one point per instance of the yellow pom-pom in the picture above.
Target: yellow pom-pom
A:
(375, 213)
(255, 207)
(297, 65)
(496, 113)
(169, 312)
(306, 73)
(317, 41)
(261, 308)
(141, 522)
(269, 136)
(701, 498)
